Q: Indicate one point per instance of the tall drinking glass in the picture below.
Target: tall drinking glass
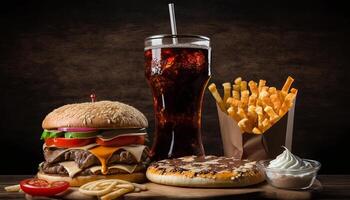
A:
(177, 68)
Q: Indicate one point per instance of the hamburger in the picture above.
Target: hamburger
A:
(95, 140)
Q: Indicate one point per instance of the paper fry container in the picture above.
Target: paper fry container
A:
(256, 146)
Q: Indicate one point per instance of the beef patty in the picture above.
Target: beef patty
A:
(56, 168)
(85, 159)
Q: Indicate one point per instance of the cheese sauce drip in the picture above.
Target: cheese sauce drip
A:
(103, 154)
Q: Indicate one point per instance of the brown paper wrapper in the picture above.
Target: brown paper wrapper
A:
(253, 146)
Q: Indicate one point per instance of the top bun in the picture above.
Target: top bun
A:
(100, 114)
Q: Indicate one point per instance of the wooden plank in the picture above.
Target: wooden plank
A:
(334, 179)
(6, 180)
(168, 192)
(259, 191)
(332, 187)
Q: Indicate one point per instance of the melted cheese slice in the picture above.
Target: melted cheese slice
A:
(71, 167)
(104, 153)
(128, 168)
(135, 150)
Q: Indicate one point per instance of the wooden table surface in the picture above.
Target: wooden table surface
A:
(333, 187)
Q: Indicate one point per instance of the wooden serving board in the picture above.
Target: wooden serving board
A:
(156, 191)
(163, 192)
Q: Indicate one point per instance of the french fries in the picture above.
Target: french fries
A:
(12, 188)
(255, 107)
(216, 95)
(227, 91)
(107, 189)
(115, 194)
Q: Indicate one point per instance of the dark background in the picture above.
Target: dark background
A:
(55, 52)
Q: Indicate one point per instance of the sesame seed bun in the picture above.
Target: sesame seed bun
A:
(101, 114)
(137, 177)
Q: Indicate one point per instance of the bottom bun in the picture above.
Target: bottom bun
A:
(77, 181)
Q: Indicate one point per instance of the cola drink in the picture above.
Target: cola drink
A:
(177, 75)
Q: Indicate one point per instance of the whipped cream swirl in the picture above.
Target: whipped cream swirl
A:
(287, 160)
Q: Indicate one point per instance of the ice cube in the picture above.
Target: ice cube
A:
(200, 58)
(169, 62)
(155, 67)
(191, 59)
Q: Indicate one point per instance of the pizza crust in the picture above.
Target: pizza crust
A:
(183, 181)
(228, 177)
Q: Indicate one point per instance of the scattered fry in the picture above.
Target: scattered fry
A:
(115, 194)
(107, 189)
(12, 188)
(95, 188)
(140, 186)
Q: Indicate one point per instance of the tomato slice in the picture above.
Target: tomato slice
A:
(121, 141)
(69, 142)
(40, 187)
